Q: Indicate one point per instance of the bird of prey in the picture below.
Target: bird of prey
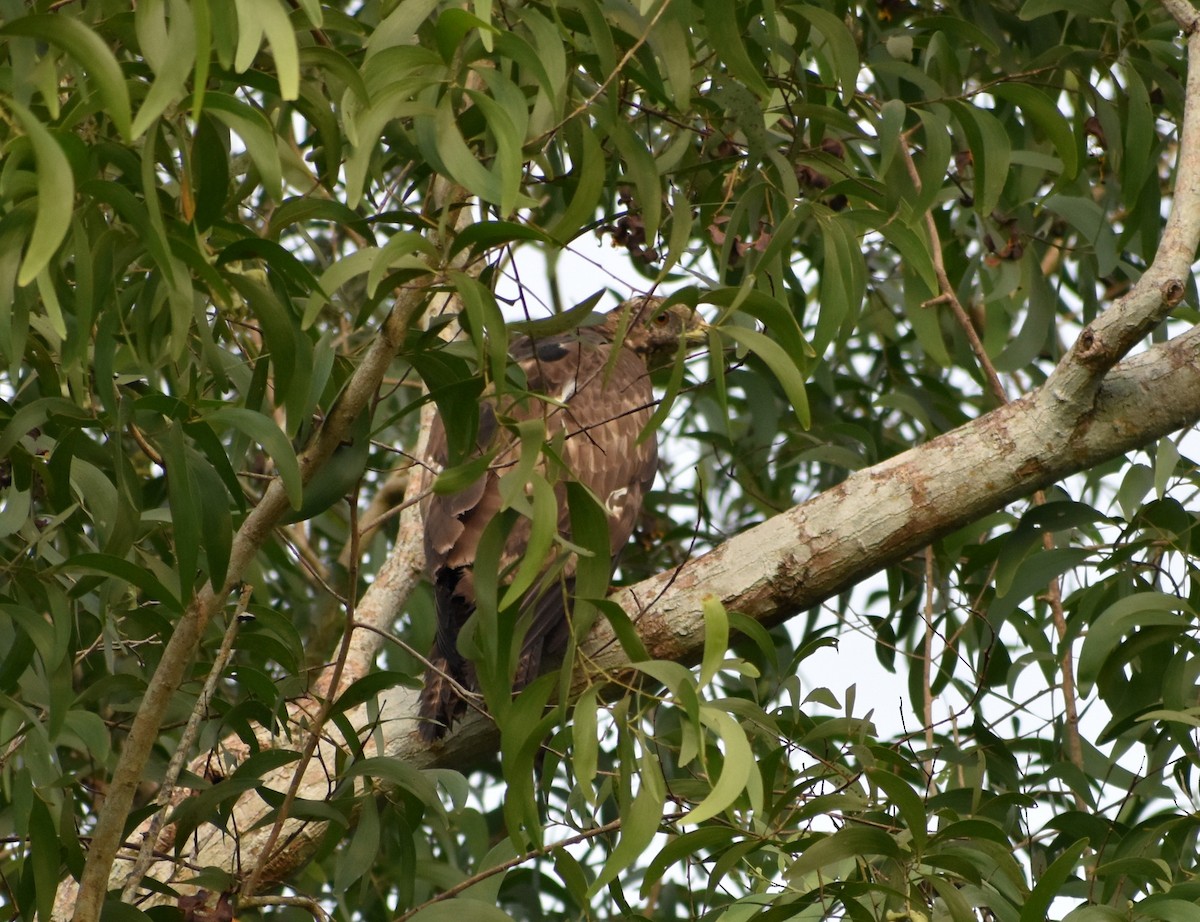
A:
(594, 405)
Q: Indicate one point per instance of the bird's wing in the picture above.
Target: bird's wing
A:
(595, 409)
(603, 409)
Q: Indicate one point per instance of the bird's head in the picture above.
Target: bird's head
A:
(654, 331)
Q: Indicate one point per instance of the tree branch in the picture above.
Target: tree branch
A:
(884, 513)
(1108, 338)
(87, 898)
(803, 556)
(1094, 407)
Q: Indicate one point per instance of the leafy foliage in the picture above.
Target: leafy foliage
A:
(208, 211)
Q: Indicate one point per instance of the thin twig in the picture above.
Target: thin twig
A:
(303, 902)
(1074, 745)
(393, 511)
(927, 671)
(625, 59)
(179, 757)
(250, 886)
(946, 294)
(503, 866)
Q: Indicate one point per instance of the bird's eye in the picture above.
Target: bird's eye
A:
(662, 319)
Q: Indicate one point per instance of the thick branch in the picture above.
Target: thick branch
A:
(88, 898)
(884, 513)
(810, 553)
(1107, 339)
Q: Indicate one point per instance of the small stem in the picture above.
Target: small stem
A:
(515, 862)
(626, 58)
(303, 902)
(1070, 703)
(146, 850)
(927, 670)
(250, 886)
(947, 290)
(1054, 589)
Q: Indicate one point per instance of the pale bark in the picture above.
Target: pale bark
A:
(799, 558)
(1093, 408)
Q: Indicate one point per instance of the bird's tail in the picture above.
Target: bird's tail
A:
(440, 703)
(549, 627)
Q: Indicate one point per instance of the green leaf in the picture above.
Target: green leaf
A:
(840, 52)
(185, 511)
(256, 133)
(43, 857)
(736, 769)
(773, 314)
(716, 638)
(850, 842)
(543, 529)
(453, 25)
(486, 324)
(639, 824)
(588, 169)
(571, 875)
(670, 392)
(398, 773)
(117, 911)
(843, 280)
(1139, 135)
(99, 64)
(291, 352)
(641, 170)
(357, 857)
(1042, 111)
(460, 162)
(1086, 9)
(1166, 460)
(216, 522)
(901, 795)
(134, 575)
(460, 909)
(172, 62)
(570, 319)
(1141, 610)
(1094, 914)
(402, 251)
(15, 505)
(784, 367)
(482, 236)
(725, 36)
(455, 479)
(399, 27)
(681, 848)
(890, 130)
(55, 196)
(934, 160)
(1167, 908)
(263, 430)
(991, 153)
(523, 728)
(951, 894)
(282, 38)
(585, 742)
(1050, 884)
(340, 475)
(914, 254)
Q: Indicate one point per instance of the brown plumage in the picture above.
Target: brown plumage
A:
(597, 405)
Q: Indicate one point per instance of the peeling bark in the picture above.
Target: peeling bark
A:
(799, 558)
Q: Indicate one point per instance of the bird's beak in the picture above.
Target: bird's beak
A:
(697, 332)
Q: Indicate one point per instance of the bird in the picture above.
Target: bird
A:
(591, 387)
